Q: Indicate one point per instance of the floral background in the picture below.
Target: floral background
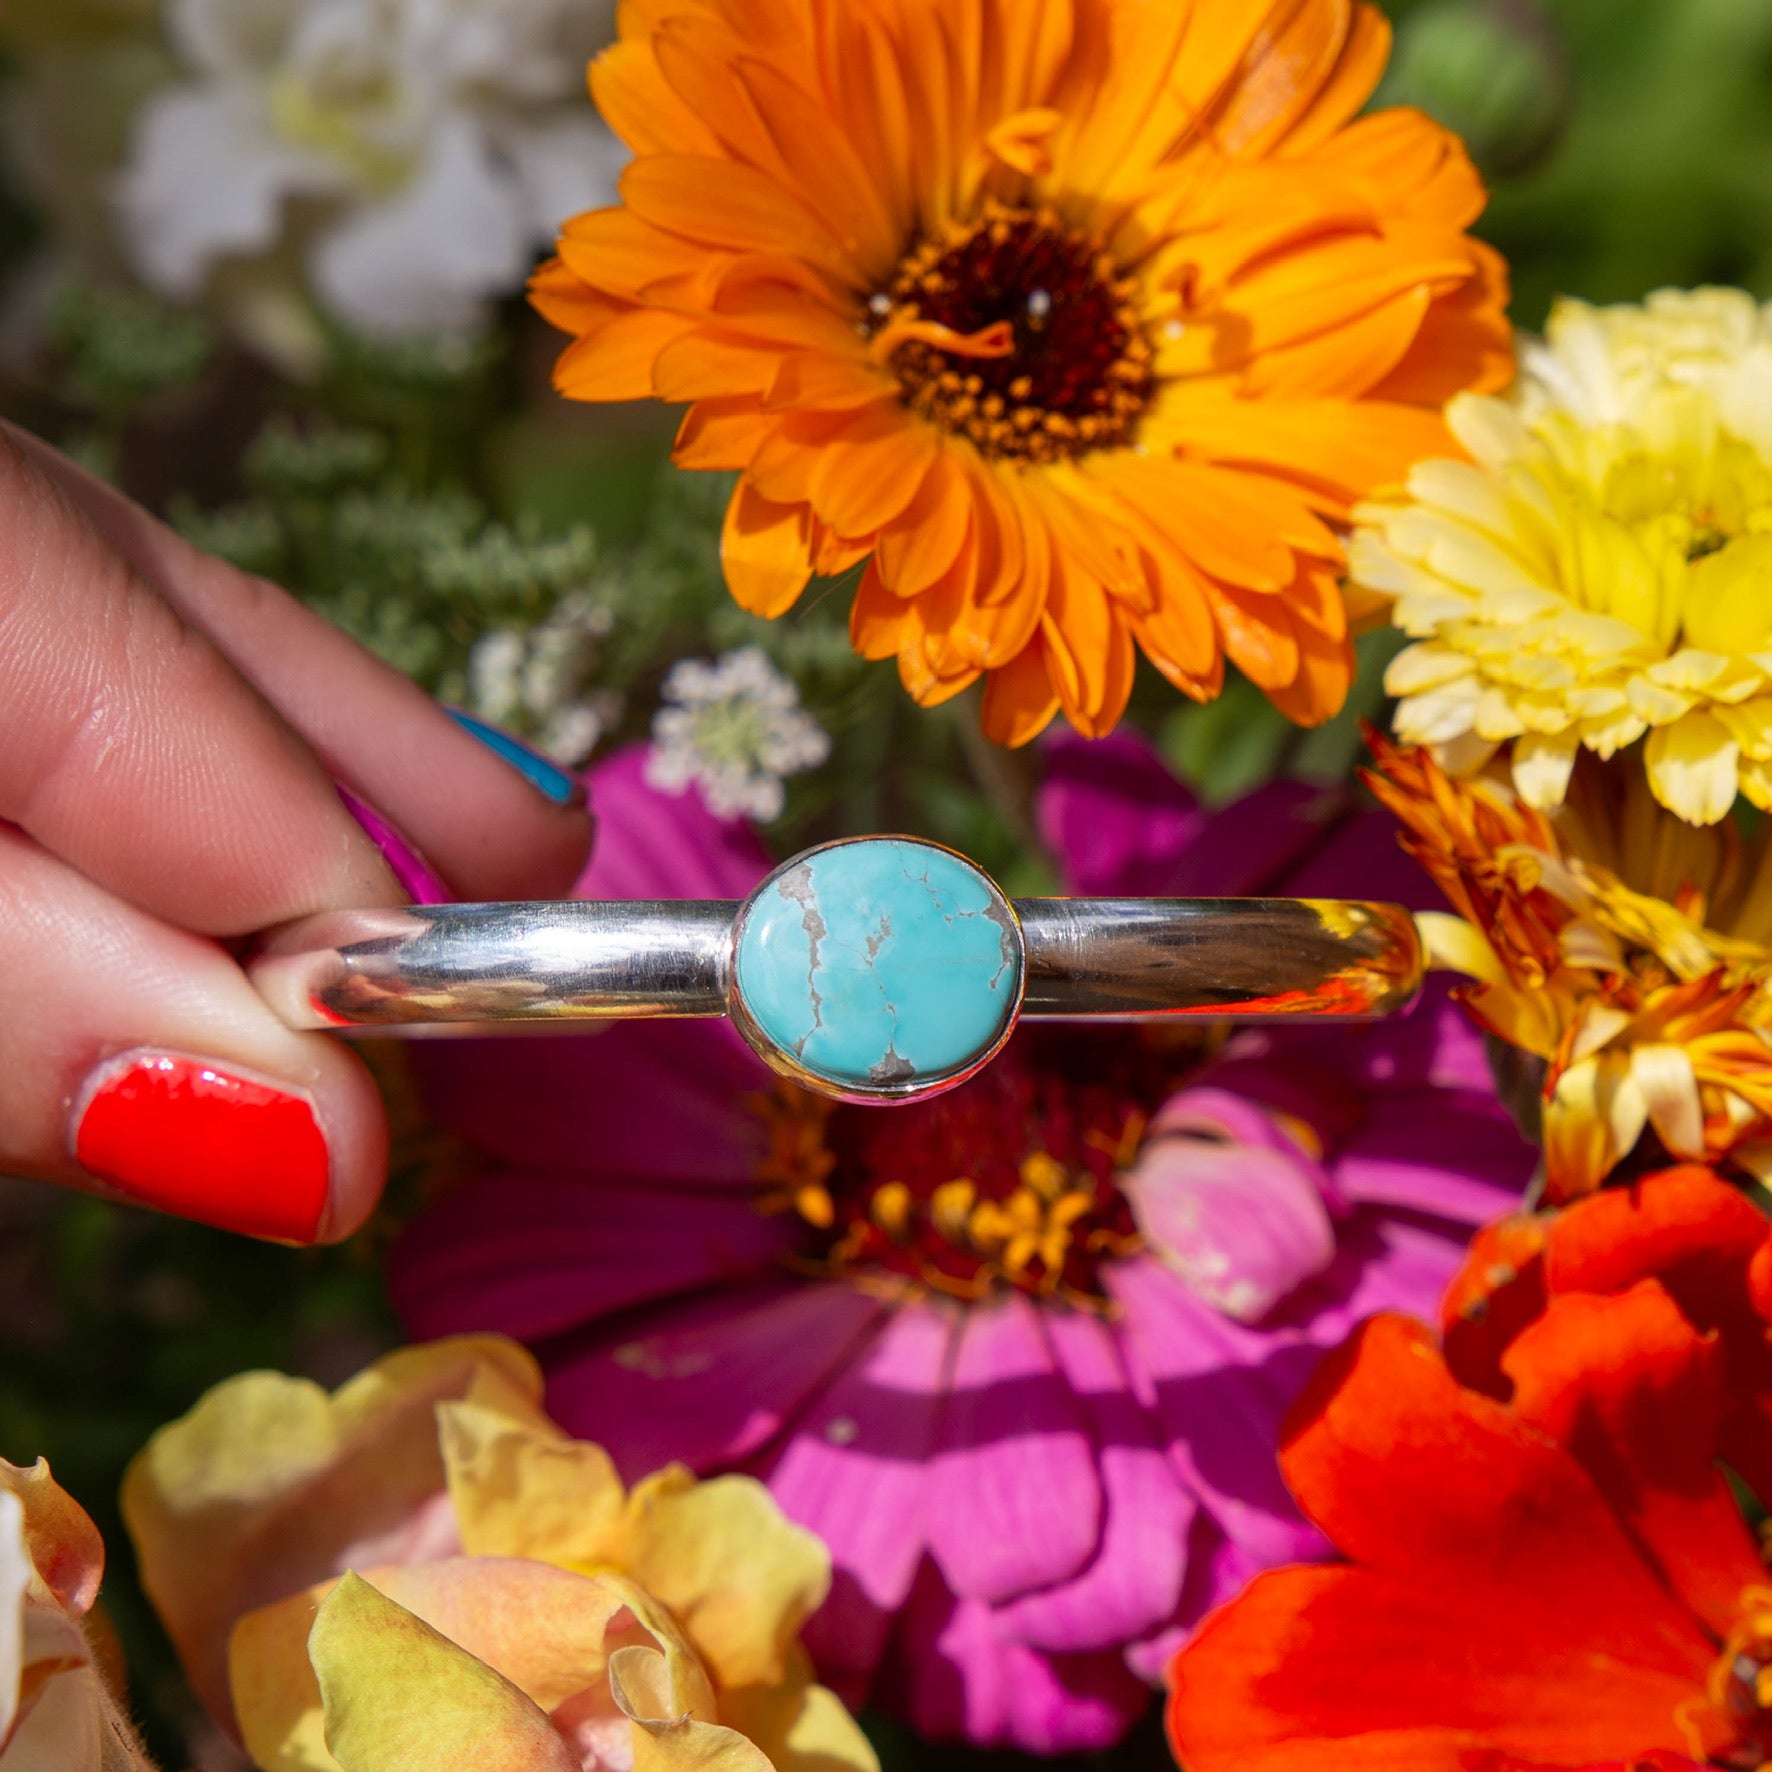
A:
(302, 338)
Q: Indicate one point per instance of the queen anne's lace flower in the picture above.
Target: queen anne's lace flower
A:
(734, 727)
(538, 682)
(1602, 569)
(433, 145)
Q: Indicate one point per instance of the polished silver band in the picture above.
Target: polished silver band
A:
(584, 961)
(400, 970)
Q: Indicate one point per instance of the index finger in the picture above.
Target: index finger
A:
(133, 749)
(477, 819)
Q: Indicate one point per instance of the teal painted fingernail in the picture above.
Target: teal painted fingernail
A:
(548, 779)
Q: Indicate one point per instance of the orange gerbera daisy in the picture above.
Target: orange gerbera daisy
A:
(1081, 321)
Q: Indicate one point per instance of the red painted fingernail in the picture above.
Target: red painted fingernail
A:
(191, 1138)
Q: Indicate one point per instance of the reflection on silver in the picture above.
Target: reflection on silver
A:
(1126, 958)
(581, 961)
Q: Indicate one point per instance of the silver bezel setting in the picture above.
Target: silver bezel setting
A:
(788, 1064)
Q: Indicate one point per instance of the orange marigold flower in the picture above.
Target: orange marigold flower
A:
(1628, 951)
(1080, 321)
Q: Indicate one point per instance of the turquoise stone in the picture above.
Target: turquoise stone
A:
(878, 963)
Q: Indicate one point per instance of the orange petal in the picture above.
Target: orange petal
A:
(1212, 518)
(1464, 341)
(1291, 58)
(615, 361)
(723, 203)
(880, 624)
(1356, 73)
(1320, 685)
(1019, 700)
(828, 382)
(720, 434)
(765, 552)
(1257, 634)
(637, 101)
(869, 472)
(923, 685)
(702, 365)
(615, 251)
(922, 541)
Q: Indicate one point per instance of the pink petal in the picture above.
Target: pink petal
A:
(1243, 1224)
(533, 1255)
(1218, 1391)
(1430, 1152)
(855, 1471)
(1382, 1263)
(1114, 814)
(652, 1099)
(1218, 1569)
(954, 1677)
(1135, 1581)
(712, 1380)
(1016, 1500)
(652, 844)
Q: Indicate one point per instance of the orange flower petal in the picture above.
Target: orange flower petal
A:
(1019, 700)
(637, 101)
(1357, 72)
(1257, 635)
(922, 684)
(764, 552)
(725, 203)
(720, 434)
(701, 365)
(921, 542)
(1465, 341)
(881, 625)
(1294, 53)
(1211, 516)
(615, 361)
(870, 471)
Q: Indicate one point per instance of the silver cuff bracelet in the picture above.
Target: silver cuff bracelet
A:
(875, 969)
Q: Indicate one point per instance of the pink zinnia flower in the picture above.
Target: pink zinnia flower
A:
(1018, 1354)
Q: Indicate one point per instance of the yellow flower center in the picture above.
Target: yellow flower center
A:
(1696, 508)
(1018, 333)
(1732, 1724)
(1008, 1182)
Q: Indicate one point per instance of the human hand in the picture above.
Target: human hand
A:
(171, 730)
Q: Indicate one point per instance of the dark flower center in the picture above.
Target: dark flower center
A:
(1018, 333)
(1008, 1181)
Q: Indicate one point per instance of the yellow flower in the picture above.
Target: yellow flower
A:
(1602, 568)
(421, 1570)
(1628, 952)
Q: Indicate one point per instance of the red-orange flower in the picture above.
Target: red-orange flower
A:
(1081, 321)
(1699, 1238)
(1557, 1582)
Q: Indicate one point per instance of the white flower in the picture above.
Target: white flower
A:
(736, 728)
(420, 152)
(538, 682)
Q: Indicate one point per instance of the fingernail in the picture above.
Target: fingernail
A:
(547, 778)
(191, 1138)
(418, 879)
